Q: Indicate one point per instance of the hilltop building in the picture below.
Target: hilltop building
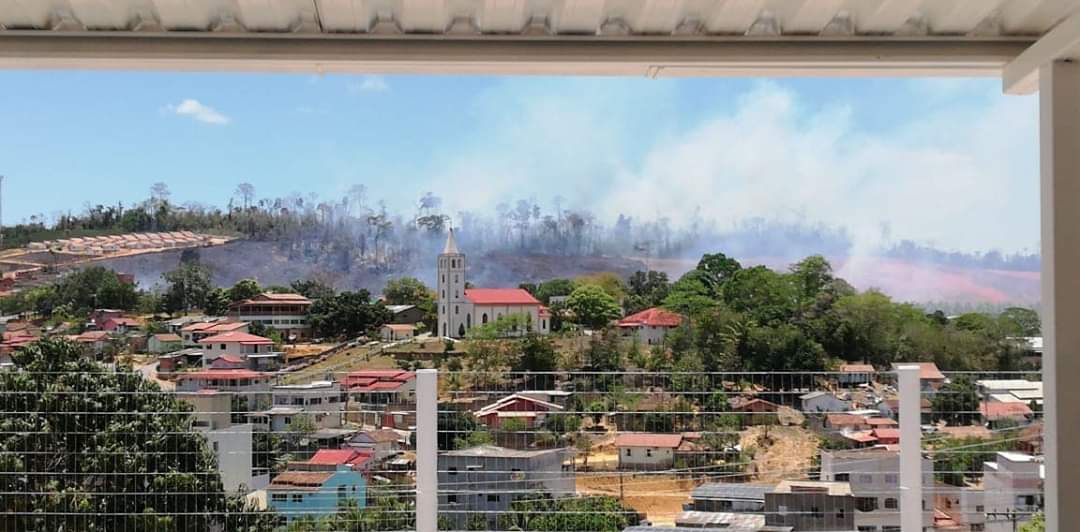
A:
(461, 308)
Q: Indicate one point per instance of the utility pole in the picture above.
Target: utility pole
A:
(1, 211)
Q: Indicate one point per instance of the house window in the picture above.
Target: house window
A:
(815, 513)
(452, 499)
(628, 452)
(890, 504)
(279, 497)
(298, 497)
(648, 453)
(977, 527)
(222, 347)
(842, 477)
(866, 479)
(492, 498)
(341, 492)
(839, 514)
(453, 471)
(891, 479)
(543, 324)
(215, 447)
(980, 508)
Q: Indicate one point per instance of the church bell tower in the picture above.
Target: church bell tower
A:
(451, 290)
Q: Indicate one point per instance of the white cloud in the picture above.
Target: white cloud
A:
(960, 172)
(198, 111)
(369, 84)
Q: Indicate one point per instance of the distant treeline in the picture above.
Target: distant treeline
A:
(354, 231)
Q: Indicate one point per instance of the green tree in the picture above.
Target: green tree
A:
(607, 281)
(407, 291)
(593, 307)
(99, 435)
(244, 289)
(647, 290)
(762, 294)
(555, 287)
(692, 294)
(1018, 321)
(217, 302)
(718, 269)
(594, 513)
(537, 354)
(188, 287)
(312, 289)
(957, 402)
(347, 314)
(1037, 524)
(811, 275)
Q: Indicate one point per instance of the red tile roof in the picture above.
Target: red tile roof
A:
(226, 326)
(376, 380)
(353, 457)
(841, 420)
(927, 370)
(884, 434)
(400, 326)
(168, 337)
(881, 422)
(234, 337)
(668, 441)
(653, 317)
(856, 368)
(863, 436)
(995, 410)
(500, 296)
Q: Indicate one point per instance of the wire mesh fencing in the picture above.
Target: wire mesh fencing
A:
(83, 447)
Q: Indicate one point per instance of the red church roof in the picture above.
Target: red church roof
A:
(654, 317)
(500, 296)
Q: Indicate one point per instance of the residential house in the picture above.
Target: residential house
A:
(754, 411)
(848, 422)
(931, 378)
(1011, 391)
(641, 450)
(890, 408)
(651, 325)
(120, 324)
(286, 313)
(93, 342)
(381, 386)
(257, 351)
(855, 374)
(959, 508)
(1013, 483)
(406, 314)
(396, 332)
(98, 316)
(886, 436)
(874, 478)
(322, 402)
(694, 521)
(525, 408)
(807, 505)
(250, 389)
(487, 479)
(195, 331)
(997, 414)
(384, 443)
(164, 343)
(184, 358)
(728, 497)
(819, 401)
(317, 488)
(230, 442)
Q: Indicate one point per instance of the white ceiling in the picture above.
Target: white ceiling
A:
(762, 18)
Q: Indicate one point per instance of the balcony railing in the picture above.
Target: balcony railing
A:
(523, 451)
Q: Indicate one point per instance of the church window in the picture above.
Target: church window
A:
(455, 278)
(455, 310)
(444, 294)
(483, 318)
(456, 294)
(461, 330)
(543, 325)
(468, 321)
(444, 329)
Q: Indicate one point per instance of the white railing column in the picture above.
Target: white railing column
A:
(911, 474)
(427, 450)
(1059, 159)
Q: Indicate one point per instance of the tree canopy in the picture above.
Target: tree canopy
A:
(346, 314)
(593, 307)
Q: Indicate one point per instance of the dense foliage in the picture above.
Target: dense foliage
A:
(347, 314)
(584, 514)
(75, 294)
(95, 449)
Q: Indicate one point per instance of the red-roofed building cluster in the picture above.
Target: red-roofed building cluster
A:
(651, 325)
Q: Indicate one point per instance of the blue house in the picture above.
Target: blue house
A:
(318, 486)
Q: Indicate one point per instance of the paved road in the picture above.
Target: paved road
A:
(149, 371)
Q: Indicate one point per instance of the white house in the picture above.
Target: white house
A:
(230, 442)
(651, 325)
(393, 332)
(321, 401)
(461, 309)
(823, 402)
(286, 313)
(1012, 483)
(238, 344)
(639, 450)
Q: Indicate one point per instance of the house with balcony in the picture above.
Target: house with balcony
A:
(256, 351)
(851, 375)
(286, 313)
(488, 478)
(322, 402)
(231, 442)
(384, 443)
(873, 476)
(808, 505)
(195, 330)
(375, 394)
(250, 389)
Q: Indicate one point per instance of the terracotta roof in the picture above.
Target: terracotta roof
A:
(862, 436)
(669, 441)
(653, 317)
(400, 327)
(226, 326)
(881, 422)
(168, 337)
(308, 480)
(269, 299)
(234, 337)
(968, 431)
(497, 406)
(231, 358)
(92, 336)
(500, 296)
(996, 410)
(927, 370)
(887, 433)
(353, 457)
(840, 420)
(221, 374)
(384, 435)
(198, 326)
(856, 368)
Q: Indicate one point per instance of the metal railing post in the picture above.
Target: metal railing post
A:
(911, 474)
(427, 450)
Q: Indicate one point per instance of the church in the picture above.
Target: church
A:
(461, 308)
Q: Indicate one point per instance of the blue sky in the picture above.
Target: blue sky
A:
(947, 162)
